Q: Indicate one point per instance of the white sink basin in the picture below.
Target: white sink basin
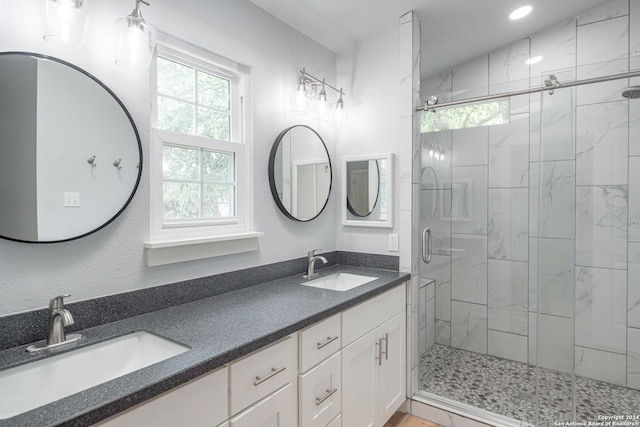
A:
(29, 386)
(339, 281)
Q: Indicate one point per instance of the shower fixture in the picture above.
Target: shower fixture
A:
(632, 92)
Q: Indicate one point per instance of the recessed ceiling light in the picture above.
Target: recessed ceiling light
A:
(520, 12)
(533, 60)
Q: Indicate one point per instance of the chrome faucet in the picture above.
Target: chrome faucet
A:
(59, 317)
(311, 260)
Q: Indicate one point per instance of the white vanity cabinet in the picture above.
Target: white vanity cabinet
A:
(346, 370)
(373, 360)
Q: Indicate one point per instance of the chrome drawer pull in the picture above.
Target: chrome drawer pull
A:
(379, 356)
(330, 392)
(326, 343)
(273, 373)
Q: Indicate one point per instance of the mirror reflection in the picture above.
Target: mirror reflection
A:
(366, 189)
(363, 187)
(300, 173)
(70, 155)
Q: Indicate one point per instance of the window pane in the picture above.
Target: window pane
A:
(175, 116)
(176, 80)
(218, 167)
(466, 116)
(218, 201)
(213, 91)
(181, 200)
(181, 163)
(214, 124)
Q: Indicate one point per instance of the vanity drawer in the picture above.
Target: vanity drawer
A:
(366, 316)
(263, 372)
(200, 402)
(320, 393)
(319, 341)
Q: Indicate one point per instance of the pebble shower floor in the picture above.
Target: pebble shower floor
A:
(508, 388)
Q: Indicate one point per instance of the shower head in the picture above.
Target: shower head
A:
(631, 92)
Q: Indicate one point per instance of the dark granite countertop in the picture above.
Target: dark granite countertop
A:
(218, 329)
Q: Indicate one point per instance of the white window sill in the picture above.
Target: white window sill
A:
(161, 252)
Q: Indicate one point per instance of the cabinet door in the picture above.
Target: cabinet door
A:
(392, 375)
(277, 410)
(360, 382)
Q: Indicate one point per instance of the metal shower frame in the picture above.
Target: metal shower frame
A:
(550, 85)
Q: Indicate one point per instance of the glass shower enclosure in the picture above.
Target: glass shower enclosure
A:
(530, 304)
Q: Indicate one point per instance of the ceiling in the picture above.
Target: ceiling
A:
(453, 31)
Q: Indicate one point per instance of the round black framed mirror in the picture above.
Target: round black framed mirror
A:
(300, 173)
(70, 153)
(363, 187)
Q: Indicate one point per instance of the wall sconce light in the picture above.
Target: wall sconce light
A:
(67, 21)
(135, 40)
(312, 90)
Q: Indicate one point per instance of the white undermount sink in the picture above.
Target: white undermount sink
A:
(339, 281)
(34, 384)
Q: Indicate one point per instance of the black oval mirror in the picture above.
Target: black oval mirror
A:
(363, 187)
(300, 173)
(70, 154)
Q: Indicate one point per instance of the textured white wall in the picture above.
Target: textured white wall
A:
(112, 260)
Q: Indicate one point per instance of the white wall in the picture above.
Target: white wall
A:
(370, 75)
(112, 260)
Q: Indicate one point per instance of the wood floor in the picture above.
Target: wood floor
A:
(405, 420)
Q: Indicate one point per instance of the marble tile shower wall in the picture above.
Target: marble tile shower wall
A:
(484, 208)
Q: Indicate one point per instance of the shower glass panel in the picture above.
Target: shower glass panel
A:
(530, 306)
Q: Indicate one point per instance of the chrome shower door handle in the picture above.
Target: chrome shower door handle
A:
(426, 245)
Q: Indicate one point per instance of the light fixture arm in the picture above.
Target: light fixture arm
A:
(136, 13)
(308, 79)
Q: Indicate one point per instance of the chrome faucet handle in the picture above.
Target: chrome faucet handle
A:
(58, 302)
(312, 252)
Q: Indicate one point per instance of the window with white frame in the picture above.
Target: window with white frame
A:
(200, 153)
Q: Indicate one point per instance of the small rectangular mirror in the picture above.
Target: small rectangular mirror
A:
(367, 183)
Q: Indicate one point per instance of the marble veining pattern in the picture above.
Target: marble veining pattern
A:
(601, 226)
(469, 200)
(557, 45)
(469, 268)
(555, 204)
(633, 358)
(633, 294)
(634, 198)
(556, 276)
(555, 114)
(508, 224)
(508, 296)
(508, 388)
(602, 144)
(508, 153)
(469, 326)
(612, 9)
(600, 309)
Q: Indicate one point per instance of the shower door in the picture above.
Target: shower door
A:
(484, 341)
(530, 305)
